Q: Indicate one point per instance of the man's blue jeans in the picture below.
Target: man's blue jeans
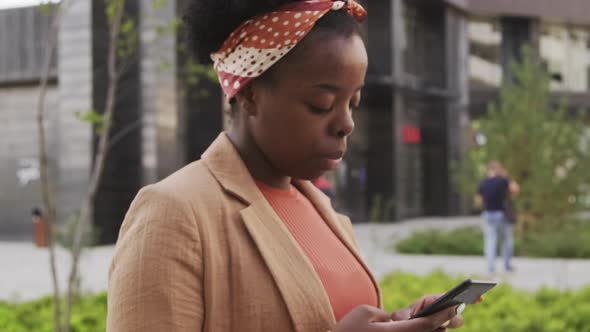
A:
(497, 226)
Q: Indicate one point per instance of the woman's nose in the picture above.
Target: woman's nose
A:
(344, 124)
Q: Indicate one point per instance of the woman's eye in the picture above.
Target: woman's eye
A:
(318, 110)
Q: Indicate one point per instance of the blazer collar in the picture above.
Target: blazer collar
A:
(226, 165)
(294, 274)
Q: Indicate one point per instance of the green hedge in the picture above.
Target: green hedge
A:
(568, 240)
(503, 308)
(462, 241)
(88, 315)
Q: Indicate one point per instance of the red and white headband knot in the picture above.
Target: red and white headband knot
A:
(262, 41)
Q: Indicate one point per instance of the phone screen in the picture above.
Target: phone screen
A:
(466, 292)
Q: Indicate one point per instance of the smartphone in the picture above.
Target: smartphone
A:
(466, 292)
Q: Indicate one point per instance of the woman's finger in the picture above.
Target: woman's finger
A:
(402, 314)
(423, 302)
(436, 320)
(456, 322)
(422, 324)
(375, 314)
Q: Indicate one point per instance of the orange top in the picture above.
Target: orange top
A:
(346, 282)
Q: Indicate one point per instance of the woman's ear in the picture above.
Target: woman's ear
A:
(246, 100)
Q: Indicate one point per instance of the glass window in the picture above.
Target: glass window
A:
(424, 51)
(485, 40)
(566, 53)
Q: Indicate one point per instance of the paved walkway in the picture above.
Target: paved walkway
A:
(25, 273)
(376, 241)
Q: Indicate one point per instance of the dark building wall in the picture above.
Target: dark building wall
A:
(457, 108)
(414, 82)
(203, 117)
(424, 61)
(200, 100)
(123, 169)
(517, 32)
(434, 158)
(378, 101)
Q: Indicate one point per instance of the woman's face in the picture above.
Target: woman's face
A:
(301, 120)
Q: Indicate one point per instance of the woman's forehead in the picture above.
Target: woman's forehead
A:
(325, 58)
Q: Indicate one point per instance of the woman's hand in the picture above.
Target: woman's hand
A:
(406, 313)
(370, 319)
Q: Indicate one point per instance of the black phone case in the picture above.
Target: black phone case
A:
(466, 292)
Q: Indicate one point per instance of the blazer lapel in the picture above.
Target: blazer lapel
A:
(299, 284)
(293, 273)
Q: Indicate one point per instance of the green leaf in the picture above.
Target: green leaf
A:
(91, 117)
(112, 8)
(97, 120)
(47, 8)
(128, 26)
(159, 4)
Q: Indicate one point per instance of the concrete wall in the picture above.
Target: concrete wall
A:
(162, 152)
(75, 95)
(69, 139)
(19, 169)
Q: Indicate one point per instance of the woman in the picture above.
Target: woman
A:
(241, 240)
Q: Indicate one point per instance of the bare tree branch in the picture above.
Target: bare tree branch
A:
(116, 67)
(87, 210)
(46, 186)
(124, 132)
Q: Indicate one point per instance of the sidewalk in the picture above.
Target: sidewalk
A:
(376, 241)
(25, 273)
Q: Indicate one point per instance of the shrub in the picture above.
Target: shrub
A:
(567, 239)
(462, 241)
(542, 144)
(88, 315)
(503, 309)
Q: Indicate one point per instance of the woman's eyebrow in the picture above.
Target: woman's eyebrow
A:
(334, 88)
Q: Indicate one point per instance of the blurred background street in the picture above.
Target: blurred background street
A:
(451, 86)
(21, 278)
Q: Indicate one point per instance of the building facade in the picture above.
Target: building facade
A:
(434, 66)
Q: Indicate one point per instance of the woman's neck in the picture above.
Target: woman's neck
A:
(256, 161)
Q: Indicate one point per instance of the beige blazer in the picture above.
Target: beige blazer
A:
(202, 250)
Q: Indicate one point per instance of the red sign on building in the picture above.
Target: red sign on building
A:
(411, 134)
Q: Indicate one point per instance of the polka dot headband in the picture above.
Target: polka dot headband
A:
(262, 41)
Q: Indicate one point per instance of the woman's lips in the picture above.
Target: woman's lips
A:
(332, 163)
(332, 160)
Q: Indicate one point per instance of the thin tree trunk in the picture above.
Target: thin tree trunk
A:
(46, 187)
(99, 163)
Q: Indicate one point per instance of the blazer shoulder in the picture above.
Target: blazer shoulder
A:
(181, 195)
(194, 181)
(182, 199)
